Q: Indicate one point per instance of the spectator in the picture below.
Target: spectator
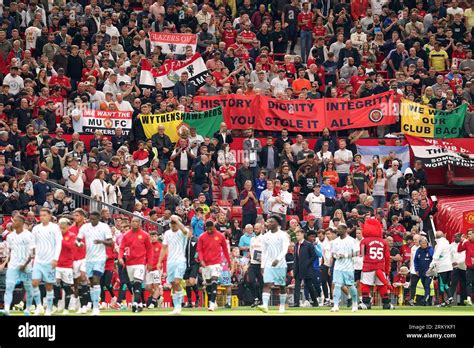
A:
(343, 160)
(248, 202)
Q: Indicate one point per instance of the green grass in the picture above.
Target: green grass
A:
(322, 311)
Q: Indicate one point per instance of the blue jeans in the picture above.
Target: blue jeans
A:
(183, 176)
(379, 202)
(306, 43)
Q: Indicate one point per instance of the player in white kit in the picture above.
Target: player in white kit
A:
(47, 248)
(343, 249)
(174, 245)
(97, 235)
(20, 247)
(275, 245)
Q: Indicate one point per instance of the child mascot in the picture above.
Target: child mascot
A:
(376, 267)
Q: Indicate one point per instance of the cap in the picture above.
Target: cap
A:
(63, 45)
(357, 155)
(311, 217)
(92, 160)
(102, 163)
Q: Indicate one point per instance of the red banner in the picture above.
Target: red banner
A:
(468, 221)
(265, 113)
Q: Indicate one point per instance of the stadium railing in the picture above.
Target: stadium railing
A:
(89, 204)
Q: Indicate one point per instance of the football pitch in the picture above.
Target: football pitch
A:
(320, 311)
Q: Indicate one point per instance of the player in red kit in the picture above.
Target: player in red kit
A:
(139, 257)
(64, 274)
(376, 264)
(153, 277)
(211, 245)
(81, 286)
(106, 280)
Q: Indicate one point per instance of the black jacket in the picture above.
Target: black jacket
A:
(160, 142)
(74, 67)
(220, 139)
(304, 258)
(419, 175)
(243, 174)
(191, 252)
(264, 157)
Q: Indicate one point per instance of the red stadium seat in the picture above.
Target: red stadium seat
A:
(236, 212)
(223, 203)
(259, 210)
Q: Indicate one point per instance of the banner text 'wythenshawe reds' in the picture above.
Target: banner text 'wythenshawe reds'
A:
(266, 113)
(106, 121)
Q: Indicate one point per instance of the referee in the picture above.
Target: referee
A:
(255, 272)
(191, 273)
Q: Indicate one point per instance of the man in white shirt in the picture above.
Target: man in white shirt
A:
(72, 174)
(110, 85)
(275, 245)
(123, 105)
(255, 270)
(47, 240)
(315, 203)
(392, 174)
(14, 80)
(414, 277)
(111, 29)
(444, 266)
(265, 198)
(281, 203)
(96, 97)
(97, 236)
(279, 84)
(359, 37)
(343, 161)
(20, 246)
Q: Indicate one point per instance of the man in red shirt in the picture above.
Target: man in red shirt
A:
(248, 36)
(139, 253)
(305, 23)
(81, 288)
(376, 264)
(64, 274)
(211, 245)
(229, 34)
(358, 80)
(396, 231)
(153, 276)
(405, 250)
(227, 174)
(62, 81)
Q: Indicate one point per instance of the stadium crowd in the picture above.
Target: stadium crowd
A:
(57, 58)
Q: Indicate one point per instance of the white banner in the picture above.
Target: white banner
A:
(106, 121)
(173, 43)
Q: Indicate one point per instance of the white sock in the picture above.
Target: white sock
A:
(229, 300)
(265, 298)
